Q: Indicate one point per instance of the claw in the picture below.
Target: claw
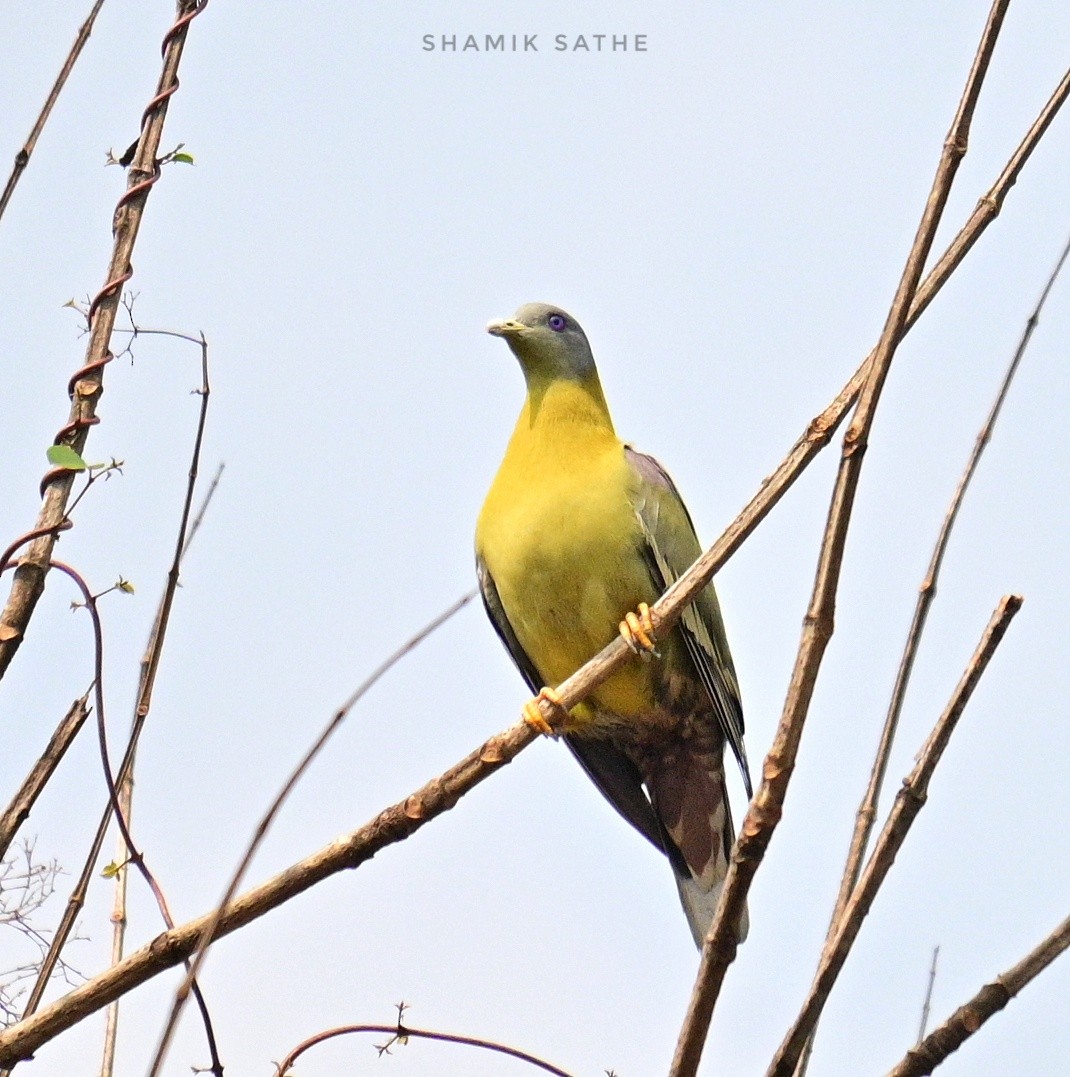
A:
(638, 631)
(533, 715)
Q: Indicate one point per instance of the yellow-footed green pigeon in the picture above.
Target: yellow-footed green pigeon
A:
(578, 531)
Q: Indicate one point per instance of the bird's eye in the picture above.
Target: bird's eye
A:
(556, 322)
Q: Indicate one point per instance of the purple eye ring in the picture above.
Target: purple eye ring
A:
(557, 322)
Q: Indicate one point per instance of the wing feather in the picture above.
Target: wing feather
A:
(670, 550)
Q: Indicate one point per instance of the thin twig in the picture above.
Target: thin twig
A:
(87, 384)
(867, 809)
(763, 815)
(908, 803)
(401, 1032)
(18, 811)
(135, 856)
(198, 519)
(147, 679)
(967, 1019)
(926, 1006)
(22, 158)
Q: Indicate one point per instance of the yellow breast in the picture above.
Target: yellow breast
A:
(561, 540)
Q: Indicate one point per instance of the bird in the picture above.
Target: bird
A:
(579, 535)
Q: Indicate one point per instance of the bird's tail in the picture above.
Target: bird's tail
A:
(690, 797)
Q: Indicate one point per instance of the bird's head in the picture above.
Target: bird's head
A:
(549, 343)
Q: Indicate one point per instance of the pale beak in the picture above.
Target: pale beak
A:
(505, 328)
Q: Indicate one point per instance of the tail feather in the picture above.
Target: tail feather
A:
(700, 905)
(690, 797)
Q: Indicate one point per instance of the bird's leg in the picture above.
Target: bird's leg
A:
(638, 631)
(533, 716)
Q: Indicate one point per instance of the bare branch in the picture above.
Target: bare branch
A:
(968, 1018)
(22, 158)
(119, 921)
(908, 803)
(18, 811)
(390, 826)
(867, 809)
(764, 813)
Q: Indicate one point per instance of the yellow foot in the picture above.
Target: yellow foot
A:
(638, 631)
(533, 716)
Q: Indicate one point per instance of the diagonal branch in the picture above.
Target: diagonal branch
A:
(867, 809)
(22, 158)
(87, 384)
(968, 1018)
(763, 815)
(926, 1006)
(18, 811)
(392, 825)
(908, 803)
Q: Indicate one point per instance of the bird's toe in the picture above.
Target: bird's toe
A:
(637, 629)
(533, 712)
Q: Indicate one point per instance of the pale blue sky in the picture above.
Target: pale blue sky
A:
(727, 214)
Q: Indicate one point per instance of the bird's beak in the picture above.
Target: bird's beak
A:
(505, 328)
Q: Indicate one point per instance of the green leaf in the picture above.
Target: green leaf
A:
(109, 871)
(183, 158)
(64, 456)
(125, 586)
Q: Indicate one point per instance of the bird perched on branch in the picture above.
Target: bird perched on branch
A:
(579, 534)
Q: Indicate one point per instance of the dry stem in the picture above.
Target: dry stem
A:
(22, 158)
(926, 1006)
(119, 921)
(867, 809)
(18, 811)
(967, 1019)
(908, 803)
